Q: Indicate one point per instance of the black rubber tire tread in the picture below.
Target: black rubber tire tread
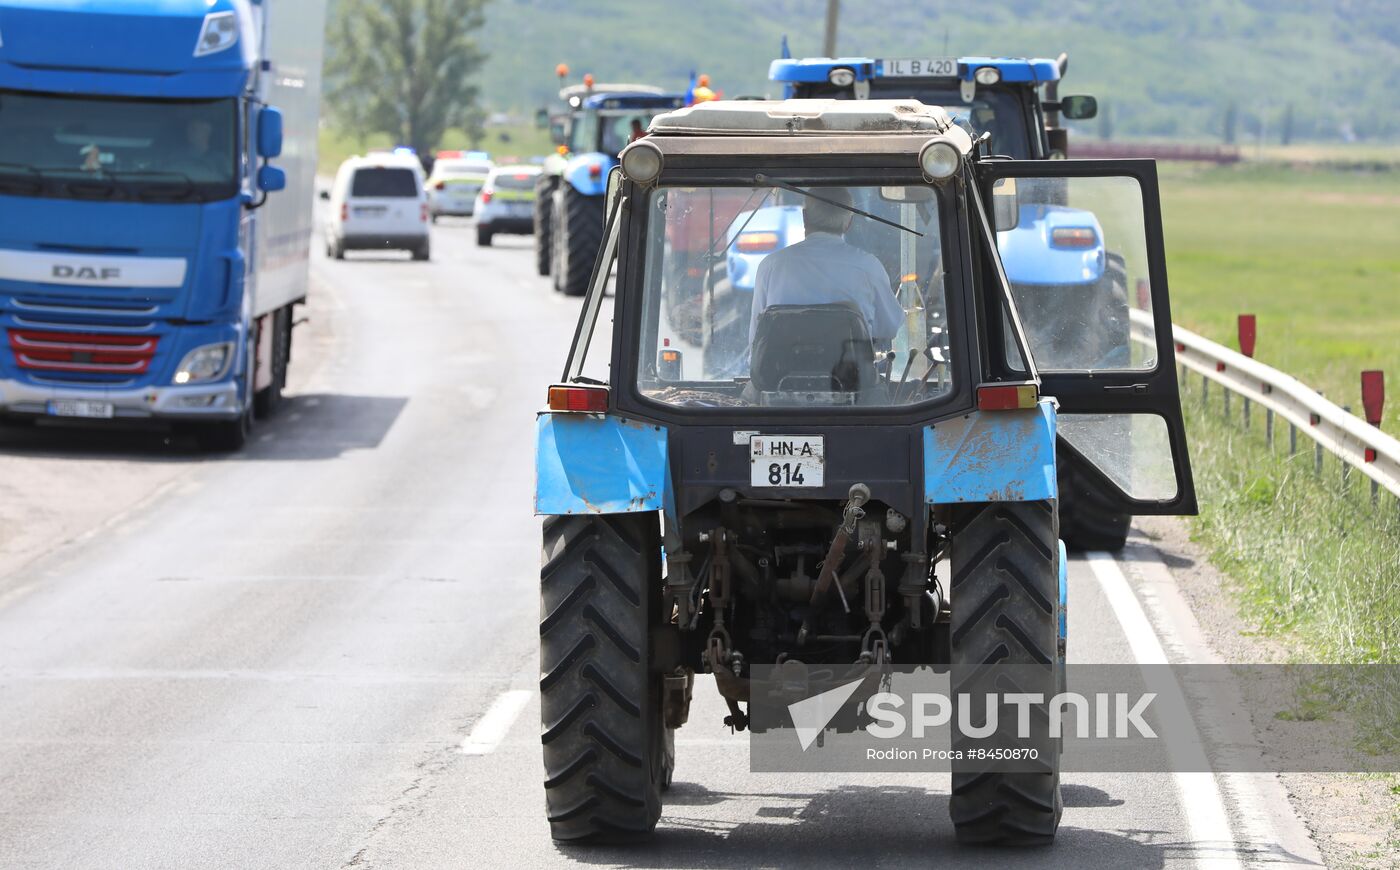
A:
(544, 239)
(423, 252)
(267, 400)
(483, 237)
(600, 706)
(580, 232)
(1005, 609)
(1088, 521)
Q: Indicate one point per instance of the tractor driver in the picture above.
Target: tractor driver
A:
(824, 268)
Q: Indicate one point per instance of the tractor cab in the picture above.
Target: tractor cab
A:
(598, 121)
(851, 462)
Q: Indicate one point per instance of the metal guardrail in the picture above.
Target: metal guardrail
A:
(1335, 429)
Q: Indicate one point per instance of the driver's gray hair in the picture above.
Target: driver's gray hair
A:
(823, 217)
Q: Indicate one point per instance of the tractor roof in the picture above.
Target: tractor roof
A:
(803, 117)
(1014, 70)
(582, 91)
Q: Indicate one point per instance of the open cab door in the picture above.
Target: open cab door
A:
(1081, 245)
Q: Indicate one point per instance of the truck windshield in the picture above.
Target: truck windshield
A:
(996, 110)
(100, 148)
(770, 296)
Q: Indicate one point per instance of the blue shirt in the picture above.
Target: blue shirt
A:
(823, 269)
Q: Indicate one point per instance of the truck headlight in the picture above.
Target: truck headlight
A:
(220, 31)
(207, 363)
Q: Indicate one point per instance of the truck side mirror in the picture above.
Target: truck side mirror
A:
(326, 195)
(1079, 108)
(271, 179)
(269, 132)
(558, 133)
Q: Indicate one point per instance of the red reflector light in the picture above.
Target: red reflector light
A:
(1073, 237)
(582, 400)
(486, 196)
(755, 243)
(1007, 397)
(595, 170)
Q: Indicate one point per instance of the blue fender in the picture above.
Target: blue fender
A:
(987, 456)
(599, 465)
(1032, 257)
(579, 173)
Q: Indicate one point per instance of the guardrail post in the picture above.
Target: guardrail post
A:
(1269, 428)
(1205, 391)
(1292, 438)
(1346, 466)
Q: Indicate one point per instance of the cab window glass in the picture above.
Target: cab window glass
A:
(1075, 253)
(765, 296)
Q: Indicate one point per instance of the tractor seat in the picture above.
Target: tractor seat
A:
(813, 350)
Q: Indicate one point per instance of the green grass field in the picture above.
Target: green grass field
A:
(1313, 254)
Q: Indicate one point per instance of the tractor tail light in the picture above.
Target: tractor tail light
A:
(1007, 397)
(1073, 237)
(756, 243)
(578, 400)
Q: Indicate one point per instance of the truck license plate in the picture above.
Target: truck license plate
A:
(787, 461)
(932, 67)
(80, 408)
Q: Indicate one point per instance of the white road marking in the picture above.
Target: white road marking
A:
(493, 727)
(1206, 819)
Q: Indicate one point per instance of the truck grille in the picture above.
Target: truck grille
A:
(71, 352)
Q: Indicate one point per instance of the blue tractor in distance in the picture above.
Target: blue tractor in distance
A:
(595, 123)
(1055, 259)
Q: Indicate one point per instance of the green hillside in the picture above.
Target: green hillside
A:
(1165, 69)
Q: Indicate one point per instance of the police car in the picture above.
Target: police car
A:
(506, 203)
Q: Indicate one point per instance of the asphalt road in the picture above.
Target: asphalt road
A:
(286, 658)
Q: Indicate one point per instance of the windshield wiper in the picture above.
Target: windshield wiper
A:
(156, 184)
(21, 178)
(762, 179)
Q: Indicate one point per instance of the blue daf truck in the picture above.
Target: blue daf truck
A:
(1055, 258)
(151, 252)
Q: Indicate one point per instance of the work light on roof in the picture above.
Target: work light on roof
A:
(842, 77)
(220, 31)
(987, 75)
(939, 160)
(641, 162)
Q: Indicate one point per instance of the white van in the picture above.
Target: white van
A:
(378, 202)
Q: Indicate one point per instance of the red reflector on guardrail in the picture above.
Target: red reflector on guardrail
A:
(1373, 395)
(1246, 329)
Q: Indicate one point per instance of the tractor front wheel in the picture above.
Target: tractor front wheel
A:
(578, 234)
(607, 751)
(1005, 612)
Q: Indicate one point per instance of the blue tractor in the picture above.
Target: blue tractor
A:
(851, 490)
(597, 122)
(1058, 266)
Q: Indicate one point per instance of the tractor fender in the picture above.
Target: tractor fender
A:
(581, 175)
(1030, 256)
(987, 456)
(599, 464)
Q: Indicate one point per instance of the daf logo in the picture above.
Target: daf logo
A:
(87, 273)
